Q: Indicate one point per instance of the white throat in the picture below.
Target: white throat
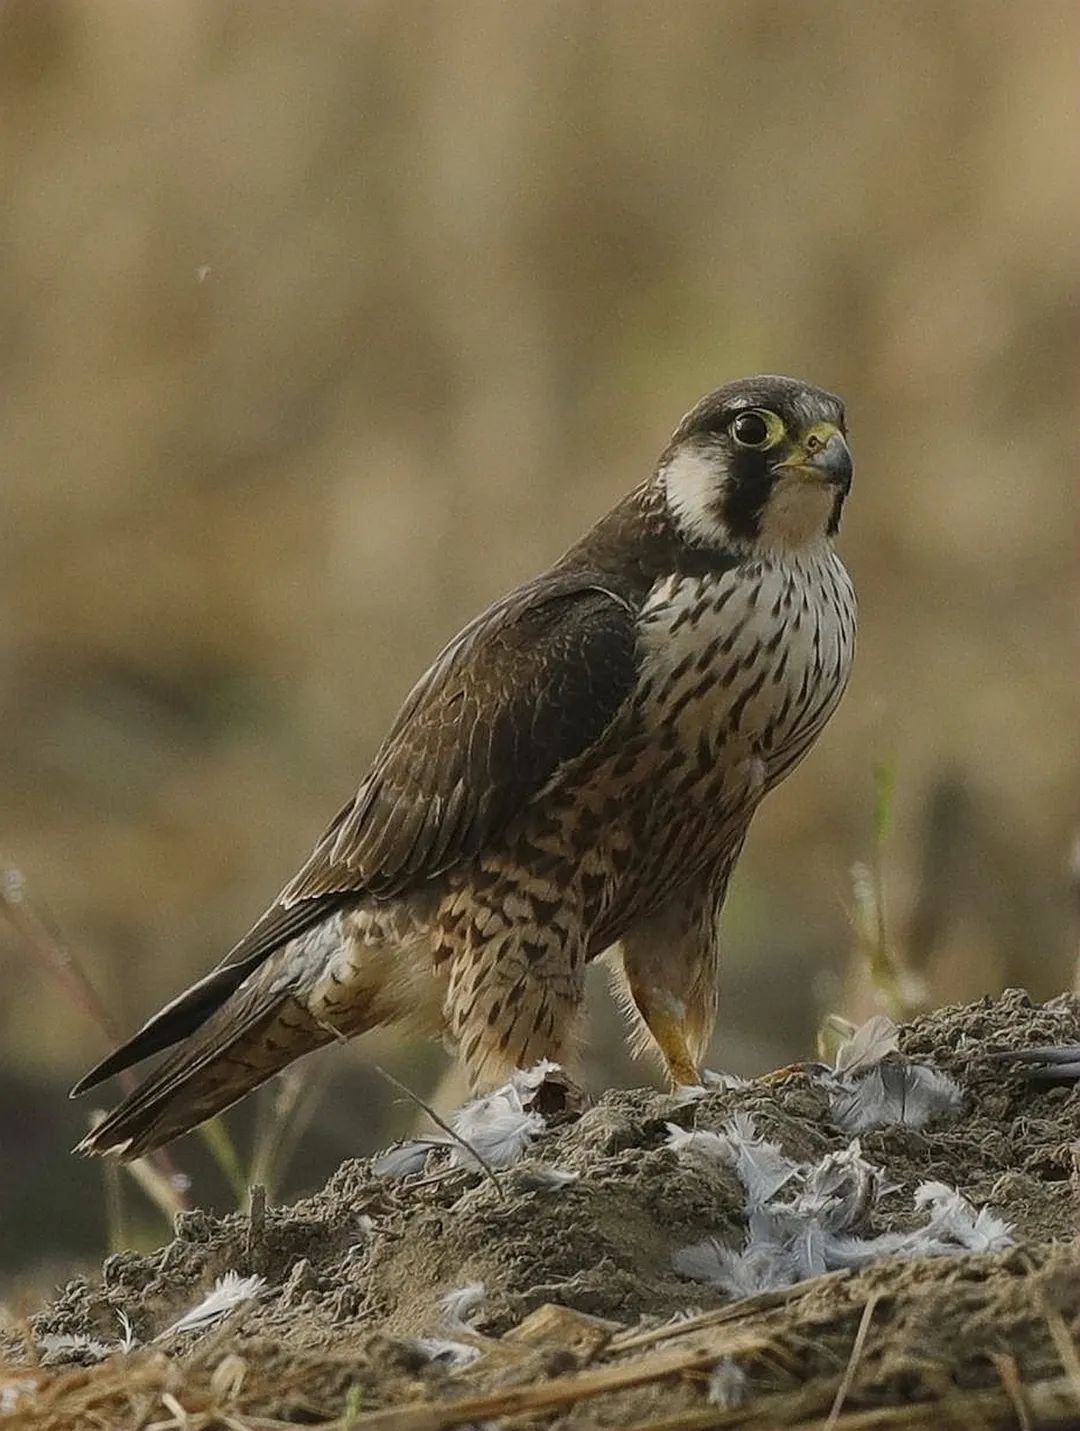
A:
(797, 514)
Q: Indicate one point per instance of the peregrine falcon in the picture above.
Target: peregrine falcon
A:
(573, 776)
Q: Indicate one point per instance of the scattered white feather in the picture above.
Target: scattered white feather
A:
(686, 1095)
(840, 1190)
(953, 1219)
(498, 1126)
(405, 1159)
(526, 1082)
(858, 1252)
(728, 1081)
(701, 1141)
(227, 1293)
(689, 1092)
(74, 1347)
(128, 1340)
(460, 1305)
(707, 1261)
(457, 1311)
(446, 1353)
(729, 1386)
(807, 1246)
(817, 1227)
(787, 1246)
(761, 1166)
(894, 1092)
(954, 1226)
(868, 1045)
(758, 1267)
(546, 1179)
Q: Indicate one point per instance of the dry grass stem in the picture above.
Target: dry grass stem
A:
(1013, 1386)
(1065, 1346)
(41, 938)
(745, 1307)
(853, 1362)
(488, 1171)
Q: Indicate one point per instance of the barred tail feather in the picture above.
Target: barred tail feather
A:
(236, 1050)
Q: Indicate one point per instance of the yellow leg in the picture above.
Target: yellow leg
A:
(669, 970)
(671, 1040)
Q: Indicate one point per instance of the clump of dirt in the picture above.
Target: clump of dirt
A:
(350, 1313)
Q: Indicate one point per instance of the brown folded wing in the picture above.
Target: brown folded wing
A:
(529, 686)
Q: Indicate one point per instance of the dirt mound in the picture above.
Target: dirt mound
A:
(349, 1313)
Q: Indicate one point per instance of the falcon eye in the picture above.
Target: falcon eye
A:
(750, 429)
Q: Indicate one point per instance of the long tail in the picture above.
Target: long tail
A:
(233, 1029)
(249, 1038)
(184, 1014)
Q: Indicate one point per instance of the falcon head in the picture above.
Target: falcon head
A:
(762, 463)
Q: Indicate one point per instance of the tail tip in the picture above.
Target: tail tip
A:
(100, 1141)
(88, 1147)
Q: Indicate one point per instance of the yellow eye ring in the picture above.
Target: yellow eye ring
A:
(754, 428)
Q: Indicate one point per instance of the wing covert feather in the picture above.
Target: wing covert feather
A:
(527, 687)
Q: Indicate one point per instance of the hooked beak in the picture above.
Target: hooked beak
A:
(824, 454)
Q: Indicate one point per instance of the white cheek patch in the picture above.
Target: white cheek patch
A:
(692, 483)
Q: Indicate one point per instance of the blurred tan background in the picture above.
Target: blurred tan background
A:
(322, 324)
